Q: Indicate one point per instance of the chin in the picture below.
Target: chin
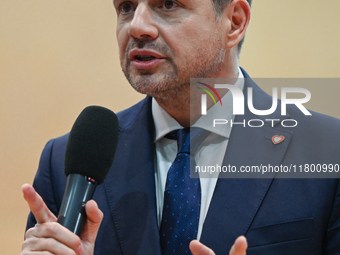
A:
(157, 90)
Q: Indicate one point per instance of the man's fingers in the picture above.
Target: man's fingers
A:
(94, 218)
(47, 233)
(198, 248)
(55, 231)
(37, 206)
(240, 246)
(47, 246)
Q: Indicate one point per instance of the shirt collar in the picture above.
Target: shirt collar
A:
(165, 123)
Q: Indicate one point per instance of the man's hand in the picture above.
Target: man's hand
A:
(49, 236)
(239, 247)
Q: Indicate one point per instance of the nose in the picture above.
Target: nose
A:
(143, 25)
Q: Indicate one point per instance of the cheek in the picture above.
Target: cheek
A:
(122, 39)
(190, 36)
(184, 45)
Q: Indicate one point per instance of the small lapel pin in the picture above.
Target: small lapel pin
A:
(276, 139)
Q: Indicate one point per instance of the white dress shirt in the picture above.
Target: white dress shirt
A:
(215, 144)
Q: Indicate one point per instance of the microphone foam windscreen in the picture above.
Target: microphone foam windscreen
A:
(92, 143)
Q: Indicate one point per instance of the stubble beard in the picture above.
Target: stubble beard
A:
(174, 83)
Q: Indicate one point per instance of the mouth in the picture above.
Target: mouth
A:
(145, 59)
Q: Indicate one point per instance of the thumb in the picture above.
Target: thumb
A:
(198, 248)
(240, 246)
(92, 224)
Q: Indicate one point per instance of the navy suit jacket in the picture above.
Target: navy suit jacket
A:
(278, 216)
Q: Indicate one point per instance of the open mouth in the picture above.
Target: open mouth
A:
(144, 57)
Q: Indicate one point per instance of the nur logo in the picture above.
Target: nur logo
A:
(239, 100)
(204, 97)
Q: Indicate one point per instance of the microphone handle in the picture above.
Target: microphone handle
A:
(79, 189)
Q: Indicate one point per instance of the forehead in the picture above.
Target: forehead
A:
(184, 2)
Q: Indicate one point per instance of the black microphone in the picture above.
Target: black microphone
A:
(89, 154)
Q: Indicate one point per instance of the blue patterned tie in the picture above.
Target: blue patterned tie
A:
(182, 195)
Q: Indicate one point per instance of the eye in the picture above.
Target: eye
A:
(126, 7)
(169, 5)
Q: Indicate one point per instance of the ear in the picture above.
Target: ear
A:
(238, 13)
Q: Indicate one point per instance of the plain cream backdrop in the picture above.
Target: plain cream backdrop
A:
(57, 57)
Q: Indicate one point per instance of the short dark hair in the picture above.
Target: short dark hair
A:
(219, 7)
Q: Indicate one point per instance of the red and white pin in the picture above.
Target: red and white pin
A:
(276, 139)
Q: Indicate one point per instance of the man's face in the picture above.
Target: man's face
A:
(162, 44)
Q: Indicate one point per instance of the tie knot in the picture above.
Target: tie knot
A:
(188, 139)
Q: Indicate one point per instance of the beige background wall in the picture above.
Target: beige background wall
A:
(56, 57)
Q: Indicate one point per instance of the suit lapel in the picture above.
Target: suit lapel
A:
(130, 184)
(236, 201)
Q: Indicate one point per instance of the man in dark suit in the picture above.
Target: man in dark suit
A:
(162, 45)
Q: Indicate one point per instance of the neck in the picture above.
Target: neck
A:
(179, 106)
